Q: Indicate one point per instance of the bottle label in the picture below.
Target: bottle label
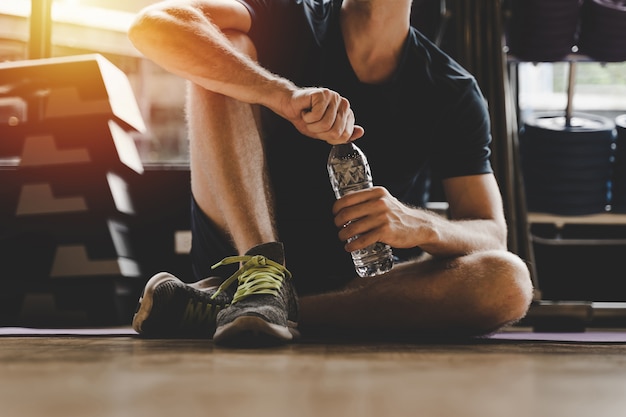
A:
(349, 176)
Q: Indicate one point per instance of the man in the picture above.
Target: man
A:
(261, 196)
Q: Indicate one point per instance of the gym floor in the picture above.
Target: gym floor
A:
(115, 373)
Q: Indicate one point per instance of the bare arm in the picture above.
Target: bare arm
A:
(476, 219)
(192, 39)
(187, 39)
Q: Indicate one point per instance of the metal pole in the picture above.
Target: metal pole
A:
(40, 41)
(570, 93)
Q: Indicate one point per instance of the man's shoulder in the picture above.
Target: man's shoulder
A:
(441, 69)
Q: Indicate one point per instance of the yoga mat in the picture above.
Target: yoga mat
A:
(104, 331)
(590, 336)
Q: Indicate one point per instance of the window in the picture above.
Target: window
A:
(100, 26)
(599, 88)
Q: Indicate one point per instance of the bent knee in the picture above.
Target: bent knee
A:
(506, 288)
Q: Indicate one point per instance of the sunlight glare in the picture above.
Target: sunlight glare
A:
(71, 11)
(69, 2)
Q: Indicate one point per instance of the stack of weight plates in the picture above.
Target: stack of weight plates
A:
(567, 168)
(619, 172)
(603, 30)
(543, 31)
(67, 211)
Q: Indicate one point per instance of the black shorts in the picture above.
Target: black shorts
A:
(208, 246)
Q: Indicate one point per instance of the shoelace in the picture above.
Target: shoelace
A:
(257, 275)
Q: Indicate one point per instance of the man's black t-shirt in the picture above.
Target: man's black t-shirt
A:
(429, 118)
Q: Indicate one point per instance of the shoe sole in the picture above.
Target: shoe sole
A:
(250, 331)
(144, 306)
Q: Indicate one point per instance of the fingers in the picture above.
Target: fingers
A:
(327, 116)
(361, 233)
(362, 218)
(353, 200)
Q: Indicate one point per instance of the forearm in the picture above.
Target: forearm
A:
(374, 215)
(184, 41)
(440, 236)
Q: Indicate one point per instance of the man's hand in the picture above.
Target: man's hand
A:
(322, 114)
(374, 215)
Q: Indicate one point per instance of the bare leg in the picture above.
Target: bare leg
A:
(471, 295)
(229, 182)
(228, 174)
(228, 168)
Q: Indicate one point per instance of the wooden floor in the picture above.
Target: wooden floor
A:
(66, 376)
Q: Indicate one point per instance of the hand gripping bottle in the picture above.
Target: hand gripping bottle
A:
(349, 171)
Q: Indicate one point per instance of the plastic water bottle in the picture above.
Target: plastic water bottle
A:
(349, 171)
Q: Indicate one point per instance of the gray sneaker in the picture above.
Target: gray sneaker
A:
(170, 308)
(264, 308)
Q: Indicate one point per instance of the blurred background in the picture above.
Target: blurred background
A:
(88, 26)
(99, 26)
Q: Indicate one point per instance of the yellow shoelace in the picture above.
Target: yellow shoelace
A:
(257, 275)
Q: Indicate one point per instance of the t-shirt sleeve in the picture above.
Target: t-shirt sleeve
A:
(464, 136)
(259, 12)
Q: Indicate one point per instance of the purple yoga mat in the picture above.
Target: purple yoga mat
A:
(579, 337)
(590, 336)
(29, 331)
